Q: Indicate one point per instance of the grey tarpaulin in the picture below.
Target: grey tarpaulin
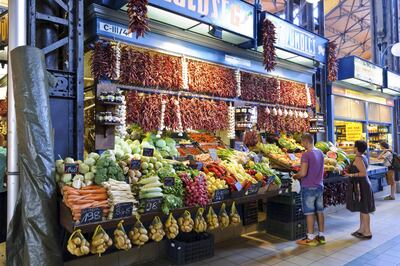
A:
(32, 237)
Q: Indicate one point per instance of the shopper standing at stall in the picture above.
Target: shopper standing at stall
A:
(359, 195)
(312, 190)
(387, 156)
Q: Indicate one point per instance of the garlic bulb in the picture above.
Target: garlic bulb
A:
(290, 113)
(296, 114)
(280, 113)
(178, 114)
(121, 114)
(274, 112)
(305, 115)
(285, 113)
(162, 126)
(231, 122)
(267, 110)
(301, 114)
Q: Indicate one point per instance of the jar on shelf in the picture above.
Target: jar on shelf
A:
(118, 97)
(110, 97)
(100, 117)
(108, 117)
(103, 96)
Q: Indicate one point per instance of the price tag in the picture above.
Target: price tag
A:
(71, 168)
(196, 165)
(221, 194)
(263, 140)
(152, 205)
(213, 153)
(91, 215)
(135, 164)
(238, 186)
(258, 158)
(292, 157)
(149, 152)
(253, 189)
(122, 210)
(169, 182)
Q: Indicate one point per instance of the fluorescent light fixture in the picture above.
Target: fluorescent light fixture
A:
(312, 1)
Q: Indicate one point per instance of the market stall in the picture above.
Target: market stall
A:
(188, 126)
(361, 110)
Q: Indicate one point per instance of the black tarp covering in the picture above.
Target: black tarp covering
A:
(32, 237)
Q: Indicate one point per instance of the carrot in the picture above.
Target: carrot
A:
(91, 187)
(94, 191)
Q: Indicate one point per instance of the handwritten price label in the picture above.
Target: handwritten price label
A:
(169, 182)
(135, 164)
(221, 194)
(149, 152)
(152, 205)
(91, 215)
(122, 210)
(71, 168)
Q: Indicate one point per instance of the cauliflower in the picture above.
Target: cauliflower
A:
(89, 176)
(94, 156)
(84, 168)
(69, 160)
(90, 162)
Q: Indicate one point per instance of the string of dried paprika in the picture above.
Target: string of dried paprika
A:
(269, 40)
(138, 20)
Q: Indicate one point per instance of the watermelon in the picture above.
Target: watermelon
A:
(342, 157)
(351, 157)
(332, 155)
(323, 146)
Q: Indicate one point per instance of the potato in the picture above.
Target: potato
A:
(143, 231)
(77, 241)
(84, 250)
(98, 236)
(143, 238)
(109, 242)
(97, 242)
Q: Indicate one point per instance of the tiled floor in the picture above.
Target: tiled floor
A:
(260, 249)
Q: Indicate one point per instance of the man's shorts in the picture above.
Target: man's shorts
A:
(312, 200)
(390, 177)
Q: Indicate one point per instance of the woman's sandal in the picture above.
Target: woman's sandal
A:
(389, 198)
(362, 236)
(355, 233)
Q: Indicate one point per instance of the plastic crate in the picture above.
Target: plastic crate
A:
(287, 198)
(191, 247)
(289, 231)
(250, 213)
(284, 212)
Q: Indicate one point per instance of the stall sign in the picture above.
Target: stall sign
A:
(366, 71)
(393, 81)
(234, 15)
(354, 131)
(295, 39)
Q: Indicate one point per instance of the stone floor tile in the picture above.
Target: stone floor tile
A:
(269, 260)
(238, 259)
(312, 255)
(285, 263)
(300, 260)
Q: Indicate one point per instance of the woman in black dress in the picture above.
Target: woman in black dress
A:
(359, 195)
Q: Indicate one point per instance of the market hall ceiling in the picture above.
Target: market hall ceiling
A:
(347, 22)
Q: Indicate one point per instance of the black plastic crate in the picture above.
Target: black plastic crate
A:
(190, 247)
(250, 213)
(287, 198)
(290, 231)
(284, 212)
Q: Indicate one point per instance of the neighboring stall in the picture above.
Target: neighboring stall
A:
(361, 110)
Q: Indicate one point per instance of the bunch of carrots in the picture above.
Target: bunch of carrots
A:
(87, 197)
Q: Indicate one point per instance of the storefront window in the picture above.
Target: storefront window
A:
(349, 108)
(347, 133)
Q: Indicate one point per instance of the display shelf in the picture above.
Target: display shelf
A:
(68, 223)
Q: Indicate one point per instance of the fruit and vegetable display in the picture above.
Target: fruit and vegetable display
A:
(171, 227)
(335, 159)
(121, 239)
(139, 235)
(186, 222)
(156, 230)
(119, 192)
(223, 217)
(274, 120)
(77, 244)
(196, 193)
(100, 241)
(289, 144)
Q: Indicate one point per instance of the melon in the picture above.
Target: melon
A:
(323, 146)
(332, 155)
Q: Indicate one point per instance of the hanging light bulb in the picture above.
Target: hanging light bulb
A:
(280, 113)
(274, 112)
(285, 113)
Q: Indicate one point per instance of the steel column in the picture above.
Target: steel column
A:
(17, 16)
(289, 10)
